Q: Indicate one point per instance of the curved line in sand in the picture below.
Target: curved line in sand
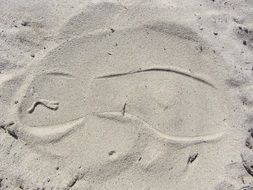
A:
(117, 116)
(52, 105)
(175, 70)
(50, 133)
(54, 133)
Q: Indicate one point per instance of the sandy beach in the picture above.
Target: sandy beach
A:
(126, 95)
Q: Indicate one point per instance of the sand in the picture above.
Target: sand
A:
(131, 94)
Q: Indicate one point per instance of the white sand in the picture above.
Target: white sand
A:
(126, 94)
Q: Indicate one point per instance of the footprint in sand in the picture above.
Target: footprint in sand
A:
(154, 85)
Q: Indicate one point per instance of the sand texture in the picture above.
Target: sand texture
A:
(126, 95)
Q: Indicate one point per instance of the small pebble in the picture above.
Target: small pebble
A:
(25, 23)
